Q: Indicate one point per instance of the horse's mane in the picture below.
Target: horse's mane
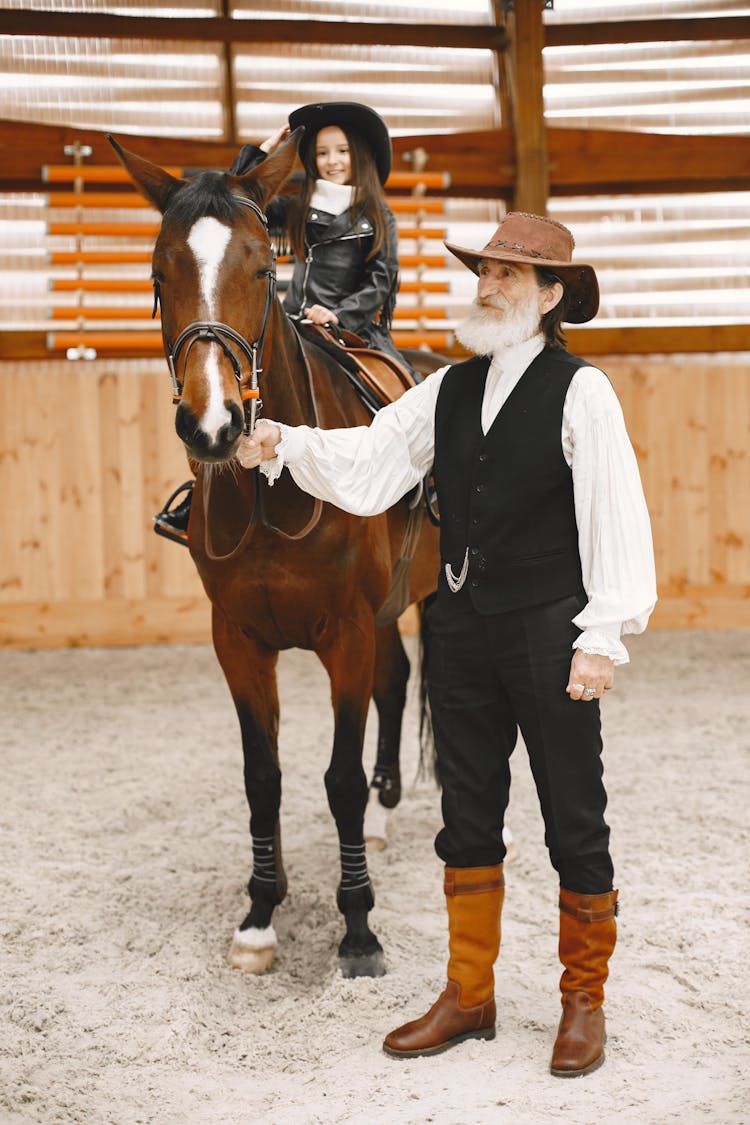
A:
(206, 195)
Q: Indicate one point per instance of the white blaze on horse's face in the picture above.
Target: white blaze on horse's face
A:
(208, 240)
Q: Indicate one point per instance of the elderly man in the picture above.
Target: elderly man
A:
(546, 561)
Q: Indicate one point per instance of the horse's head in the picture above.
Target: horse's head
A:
(214, 274)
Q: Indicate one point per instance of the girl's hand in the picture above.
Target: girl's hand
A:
(259, 446)
(272, 143)
(319, 315)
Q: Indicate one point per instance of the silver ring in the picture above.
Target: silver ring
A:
(589, 691)
(578, 687)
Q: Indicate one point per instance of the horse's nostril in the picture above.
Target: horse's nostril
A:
(228, 434)
(186, 425)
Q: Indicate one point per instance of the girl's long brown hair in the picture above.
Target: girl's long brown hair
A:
(368, 197)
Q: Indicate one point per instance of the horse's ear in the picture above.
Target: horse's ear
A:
(275, 170)
(153, 182)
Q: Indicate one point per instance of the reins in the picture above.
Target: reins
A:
(258, 514)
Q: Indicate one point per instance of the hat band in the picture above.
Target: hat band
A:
(516, 247)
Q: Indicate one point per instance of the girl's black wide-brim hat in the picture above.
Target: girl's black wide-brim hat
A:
(347, 115)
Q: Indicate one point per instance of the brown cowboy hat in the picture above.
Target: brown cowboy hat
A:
(347, 115)
(539, 241)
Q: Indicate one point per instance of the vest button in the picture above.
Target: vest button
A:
(474, 551)
(483, 458)
(475, 520)
(475, 582)
(479, 487)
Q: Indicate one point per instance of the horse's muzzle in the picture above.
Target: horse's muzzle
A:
(207, 447)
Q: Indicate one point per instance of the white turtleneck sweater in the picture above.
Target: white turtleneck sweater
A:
(332, 198)
(365, 470)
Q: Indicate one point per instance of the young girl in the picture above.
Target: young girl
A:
(340, 229)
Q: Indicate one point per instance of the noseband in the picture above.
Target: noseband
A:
(224, 335)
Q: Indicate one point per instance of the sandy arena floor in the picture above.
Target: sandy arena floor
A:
(125, 857)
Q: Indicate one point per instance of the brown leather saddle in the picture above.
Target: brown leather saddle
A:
(378, 377)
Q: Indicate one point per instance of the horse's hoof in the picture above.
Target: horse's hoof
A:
(252, 950)
(375, 843)
(362, 964)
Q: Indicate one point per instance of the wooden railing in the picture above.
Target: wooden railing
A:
(88, 453)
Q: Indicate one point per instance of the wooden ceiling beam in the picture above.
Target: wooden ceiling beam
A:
(590, 340)
(481, 164)
(95, 25)
(99, 25)
(678, 30)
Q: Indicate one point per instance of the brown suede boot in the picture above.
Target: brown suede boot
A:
(587, 938)
(466, 1009)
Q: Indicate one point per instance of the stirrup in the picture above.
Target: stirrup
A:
(163, 524)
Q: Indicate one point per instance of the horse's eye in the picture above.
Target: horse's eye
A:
(263, 273)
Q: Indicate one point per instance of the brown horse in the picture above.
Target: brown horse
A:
(281, 570)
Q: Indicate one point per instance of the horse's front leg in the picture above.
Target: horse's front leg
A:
(250, 671)
(389, 695)
(349, 661)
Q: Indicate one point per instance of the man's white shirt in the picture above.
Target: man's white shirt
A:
(367, 469)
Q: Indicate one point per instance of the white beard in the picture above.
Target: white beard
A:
(488, 329)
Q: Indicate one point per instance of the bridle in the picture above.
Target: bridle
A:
(224, 335)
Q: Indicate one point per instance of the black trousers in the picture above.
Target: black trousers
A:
(488, 677)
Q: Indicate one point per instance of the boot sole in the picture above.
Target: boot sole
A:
(482, 1033)
(579, 1073)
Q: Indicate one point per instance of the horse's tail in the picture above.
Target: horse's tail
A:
(427, 757)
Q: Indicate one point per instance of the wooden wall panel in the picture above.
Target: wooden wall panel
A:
(689, 420)
(88, 453)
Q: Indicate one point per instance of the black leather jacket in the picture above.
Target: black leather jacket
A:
(336, 273)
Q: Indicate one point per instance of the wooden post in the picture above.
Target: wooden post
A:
(527, 82)
(230, 108)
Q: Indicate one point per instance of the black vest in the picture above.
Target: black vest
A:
(507, 496)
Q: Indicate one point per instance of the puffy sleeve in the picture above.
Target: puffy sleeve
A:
(614, 530)
(364, 469)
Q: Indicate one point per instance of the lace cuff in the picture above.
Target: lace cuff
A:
(271, 469)
(600, 642)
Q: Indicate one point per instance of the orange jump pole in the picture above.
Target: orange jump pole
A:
(416, 339)
(103, 230)
(116, 174)
(101, 285)
(98, 257)
(91, 173)
(106, 341)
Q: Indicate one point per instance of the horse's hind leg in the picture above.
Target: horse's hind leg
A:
(389, 695)
(250, 671)
(349, 662)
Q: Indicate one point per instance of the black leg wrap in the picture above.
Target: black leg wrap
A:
(263, 887)
(354, 875)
